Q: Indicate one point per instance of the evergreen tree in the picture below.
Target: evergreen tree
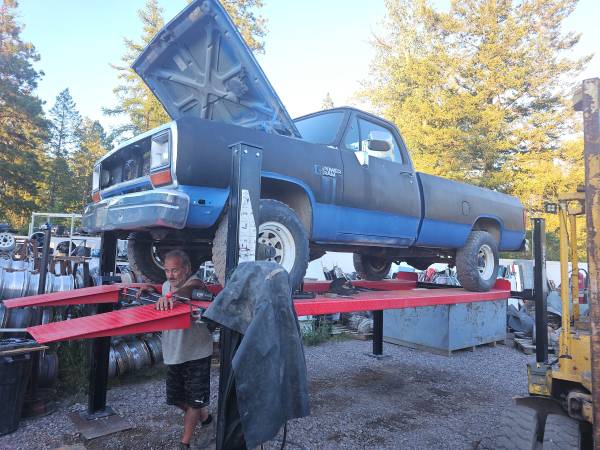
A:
(65, 123)
(64, 139)
(94, 144)
(477, 87)
(327, 102)
(22, 124)
(134, 99)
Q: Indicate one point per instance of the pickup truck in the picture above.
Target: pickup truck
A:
(336, 180)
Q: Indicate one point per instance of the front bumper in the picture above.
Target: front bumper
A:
(157, 208)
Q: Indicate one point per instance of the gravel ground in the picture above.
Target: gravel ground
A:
(409, 400)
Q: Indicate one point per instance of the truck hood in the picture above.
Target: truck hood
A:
(199, 65)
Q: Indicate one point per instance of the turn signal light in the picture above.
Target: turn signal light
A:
(161, 178)
(96, 197)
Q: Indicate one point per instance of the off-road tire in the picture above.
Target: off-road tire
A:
(145, 266)
(270, 211)
(371, 267)
(468, 262)
(517, 429)
(561, 433)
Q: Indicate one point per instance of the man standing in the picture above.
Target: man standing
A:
(187, 353)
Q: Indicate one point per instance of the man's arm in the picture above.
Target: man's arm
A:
(189, 286)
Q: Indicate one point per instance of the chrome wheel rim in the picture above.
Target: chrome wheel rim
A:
(485, 262)
(278, 236)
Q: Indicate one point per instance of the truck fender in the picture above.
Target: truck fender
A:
(291, 191)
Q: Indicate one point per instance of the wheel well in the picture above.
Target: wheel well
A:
(492, 226)
(292, 195)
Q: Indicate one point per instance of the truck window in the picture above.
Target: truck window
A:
(352, 139)
(320, 129)
(369, 130)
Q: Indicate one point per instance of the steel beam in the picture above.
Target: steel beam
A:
(100, 347)
(589, 104)
(540, 290)
(243, 216)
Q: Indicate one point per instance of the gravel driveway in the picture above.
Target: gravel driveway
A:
(409, 400)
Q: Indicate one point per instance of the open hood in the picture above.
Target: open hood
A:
(199, 65)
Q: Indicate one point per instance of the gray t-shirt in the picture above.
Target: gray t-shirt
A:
(192, 343)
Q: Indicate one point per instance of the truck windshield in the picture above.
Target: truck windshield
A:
(320, 129)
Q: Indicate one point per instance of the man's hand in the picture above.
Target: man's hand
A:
(147, 288)
(165, 302)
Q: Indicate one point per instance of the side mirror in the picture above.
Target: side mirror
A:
(377, 145)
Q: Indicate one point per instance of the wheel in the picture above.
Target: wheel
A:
(145, 257)
(477, 262)
(279, 228)
(371, 267)
(561, 433)
(517, 430)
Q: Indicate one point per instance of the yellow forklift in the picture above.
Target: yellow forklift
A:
(562, 407)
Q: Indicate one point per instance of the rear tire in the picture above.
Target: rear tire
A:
(517, 430)
(371, 267)
(561, 433)
(477, 262)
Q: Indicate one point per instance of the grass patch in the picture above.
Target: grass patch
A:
(321, 333)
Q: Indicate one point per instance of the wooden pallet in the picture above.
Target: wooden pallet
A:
(336, 330)
(527, 346)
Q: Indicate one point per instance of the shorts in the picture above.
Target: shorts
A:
(189, 383)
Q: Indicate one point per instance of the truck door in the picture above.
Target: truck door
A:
(381, 199)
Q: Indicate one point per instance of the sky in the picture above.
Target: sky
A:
(313, 47)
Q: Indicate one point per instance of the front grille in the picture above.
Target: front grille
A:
(126, 164)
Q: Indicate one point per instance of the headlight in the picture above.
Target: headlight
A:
(160, 151)
(96, 178)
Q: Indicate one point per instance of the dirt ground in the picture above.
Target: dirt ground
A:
(408, 400)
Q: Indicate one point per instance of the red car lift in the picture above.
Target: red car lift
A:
(246, 167)
(389, 294)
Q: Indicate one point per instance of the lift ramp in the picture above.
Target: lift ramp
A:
(377, 296)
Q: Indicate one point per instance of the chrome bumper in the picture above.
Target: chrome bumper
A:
(137, 210)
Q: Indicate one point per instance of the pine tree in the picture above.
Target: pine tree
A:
(22, 125)
(327, 102)
(65, 123)
(64, 139)
(134, 98)
(94, 144)
(476, 87)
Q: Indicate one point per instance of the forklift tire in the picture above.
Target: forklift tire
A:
(561, 433)
(517, 430)
(370, 267)
(477, 262)
(280, 228)
(145, 261)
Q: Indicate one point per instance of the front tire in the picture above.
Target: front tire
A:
(145, 257)
(477, 262)
(370, 267)
(279, 228)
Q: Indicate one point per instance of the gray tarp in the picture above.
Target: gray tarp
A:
(269, 366)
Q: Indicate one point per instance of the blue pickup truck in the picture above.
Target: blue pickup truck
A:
(336, 180)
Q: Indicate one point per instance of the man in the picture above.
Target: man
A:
(186, 352)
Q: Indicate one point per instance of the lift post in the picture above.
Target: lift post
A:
(244, 218)
(100, 347)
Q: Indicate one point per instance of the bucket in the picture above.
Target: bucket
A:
(14, 375)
